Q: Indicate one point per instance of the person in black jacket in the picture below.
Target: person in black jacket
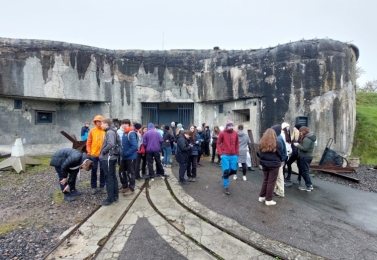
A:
(193, 157)
(271, 160)
(166, 145)
(67, 163)
(182, 156)
(207, 140)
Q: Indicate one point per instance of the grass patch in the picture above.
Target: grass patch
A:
(58, 197)
(9, 226)
(365, 142)
(32, 169)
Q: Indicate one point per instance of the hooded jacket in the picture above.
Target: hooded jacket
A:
(277, 129)
(95, 138)
(129, 144)
(228, 143)
(152, 139)
(184, 149)
(306, 147)
(68, 158)
(244, 141)
(167, 136)
(110, 142)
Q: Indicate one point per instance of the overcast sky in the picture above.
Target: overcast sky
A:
(194, 24)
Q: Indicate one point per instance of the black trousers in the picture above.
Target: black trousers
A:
(206, 149)
(157, 159)
(191, 166)
(214, 153)
(123, 173)
(143, 160)
(127, 175)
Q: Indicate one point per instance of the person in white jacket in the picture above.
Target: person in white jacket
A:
(286, 134)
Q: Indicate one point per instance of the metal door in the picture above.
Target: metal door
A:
(149, 113)
(186, 114)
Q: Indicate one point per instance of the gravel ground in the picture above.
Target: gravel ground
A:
(36, 220)
(365, 173)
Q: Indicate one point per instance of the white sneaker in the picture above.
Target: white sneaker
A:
(262, 199)
(270, 203)
(234, 177)
(244, 178)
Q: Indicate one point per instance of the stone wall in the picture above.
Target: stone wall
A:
(314, 78)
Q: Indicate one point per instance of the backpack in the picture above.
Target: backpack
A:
(117, 149)
(138, 138)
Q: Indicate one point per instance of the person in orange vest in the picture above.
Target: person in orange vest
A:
(93, 148)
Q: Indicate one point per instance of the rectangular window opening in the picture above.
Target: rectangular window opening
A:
(44, 117)
(17, 104)
(221, 108)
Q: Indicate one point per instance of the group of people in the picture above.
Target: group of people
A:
(136, 148)
(278, 148)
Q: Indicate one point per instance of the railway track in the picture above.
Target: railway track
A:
(104, 233)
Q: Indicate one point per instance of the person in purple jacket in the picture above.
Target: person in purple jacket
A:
(152, 142)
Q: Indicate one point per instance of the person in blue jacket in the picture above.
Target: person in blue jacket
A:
(85, 131)
(129, 155)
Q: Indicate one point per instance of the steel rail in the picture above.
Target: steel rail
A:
(254, 245)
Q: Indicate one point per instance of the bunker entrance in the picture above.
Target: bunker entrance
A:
(165, 113)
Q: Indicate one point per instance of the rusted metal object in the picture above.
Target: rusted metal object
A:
(331, 167)
(253, 152)
(78, 145)
(332, 162)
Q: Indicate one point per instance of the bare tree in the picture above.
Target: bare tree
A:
(369, 86)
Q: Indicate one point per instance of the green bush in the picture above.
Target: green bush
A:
(365, 140)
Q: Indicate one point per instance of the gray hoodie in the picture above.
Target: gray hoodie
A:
(244, 140)
(111, 140)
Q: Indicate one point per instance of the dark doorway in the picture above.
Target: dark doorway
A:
(165, 113)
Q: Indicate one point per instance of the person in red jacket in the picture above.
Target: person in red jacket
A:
(228, 149)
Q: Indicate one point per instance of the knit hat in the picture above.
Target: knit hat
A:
(229, 123)
(284, 125)
(167, 127)
(150, 126)
(298, 126)
(137, 126)
(199, 128)
(179, 125)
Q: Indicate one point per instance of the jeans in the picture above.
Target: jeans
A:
(228, 165)
(102, 177)
(270, 176)
(112, 187)
(303, 168)
(182, 170)
(191, 166)
(167, 154)
(156, 156)
(291, 160)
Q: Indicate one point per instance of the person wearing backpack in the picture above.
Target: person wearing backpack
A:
(140, 151)
(129, 155)
(108, 156)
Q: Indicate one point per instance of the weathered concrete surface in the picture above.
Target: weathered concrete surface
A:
(314, 78)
